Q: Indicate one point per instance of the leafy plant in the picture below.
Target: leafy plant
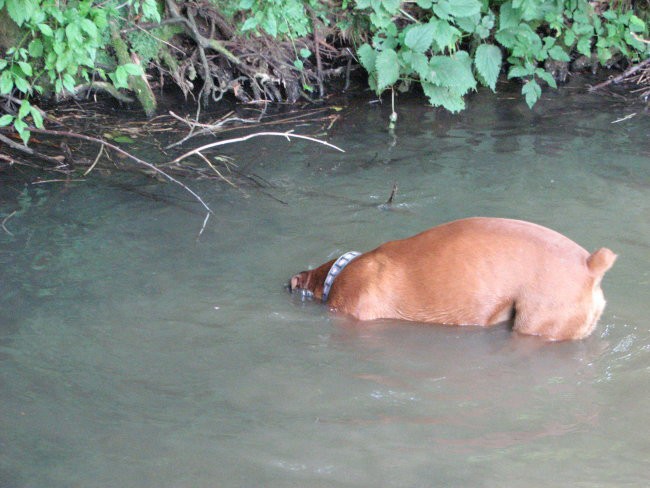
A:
(449, 46)
(58, 50)
(428, 49)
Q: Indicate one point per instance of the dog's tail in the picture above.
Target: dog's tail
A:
(600, 261)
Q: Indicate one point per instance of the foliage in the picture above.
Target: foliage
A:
(59, 49)
(279, 18)
(451, 45)
(448, 47)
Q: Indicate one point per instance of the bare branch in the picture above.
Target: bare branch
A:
(288, 135)
(124, 153)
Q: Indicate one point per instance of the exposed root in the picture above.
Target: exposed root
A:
(638, 74)
(252, 68)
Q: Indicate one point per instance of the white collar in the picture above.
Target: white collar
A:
(336, 268)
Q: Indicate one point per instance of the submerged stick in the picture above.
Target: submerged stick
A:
(5, 221)
(392, 195)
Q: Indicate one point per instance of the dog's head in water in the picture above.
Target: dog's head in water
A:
(308, 285)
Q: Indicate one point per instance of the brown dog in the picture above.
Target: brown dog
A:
(476, 271)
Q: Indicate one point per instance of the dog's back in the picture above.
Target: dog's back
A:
(480, 271)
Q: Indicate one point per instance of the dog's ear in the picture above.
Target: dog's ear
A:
(298, 281)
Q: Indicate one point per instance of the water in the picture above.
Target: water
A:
(132, 354)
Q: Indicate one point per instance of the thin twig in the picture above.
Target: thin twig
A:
(5, 221)
(28, 150)
(287, 134)
(620, 77)
(214, 168)
(58, 180)
(99, 155)
(205, 128)
(205, 221)
(124, 153)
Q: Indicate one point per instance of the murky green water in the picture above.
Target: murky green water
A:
(132, 355)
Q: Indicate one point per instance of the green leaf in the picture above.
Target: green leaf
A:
(6, 119)
(519, 72)
(487, 61)
(584, 46)
(509, 17)
(454, 72)
(387, 66)
(3, 62)
(68, 82)
(121, 77)
(20, 125)
(464, 8)
(26, 67)
(558, 54)
(546, 76)
(250, 24)
(21, 11)
(604, 55)
(133, 69)
(23, 133)
(507, 38)
(367, 57)
(305, 53)
(35, 48)
(532, 91)
(419, 37)
(469, 24)
(89, 27)
(25, 106)
(36, 115)
(637, 25)
(419, 63)
(6, 83)
(270, 24)
(441, 9)
(440, 96)
(21, 84)
(298, 64)
(569, 38)
(444, 33)
(124, 140)
(73, 34)
(391, 6)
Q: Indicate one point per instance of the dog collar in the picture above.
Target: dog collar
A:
(336, 268)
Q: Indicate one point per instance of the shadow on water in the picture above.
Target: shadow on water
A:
(132, 354)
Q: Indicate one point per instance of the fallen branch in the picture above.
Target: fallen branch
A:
(628, 72)
(287, 134)
(206, 128)
(124, 153)
(28, 150)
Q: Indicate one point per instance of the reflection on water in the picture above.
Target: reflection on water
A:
(132, 354)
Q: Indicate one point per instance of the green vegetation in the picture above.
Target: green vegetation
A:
(283, 49)
(450, 45)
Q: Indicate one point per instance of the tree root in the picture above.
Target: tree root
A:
(138, 84)
(625, 76)
(253, 69)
